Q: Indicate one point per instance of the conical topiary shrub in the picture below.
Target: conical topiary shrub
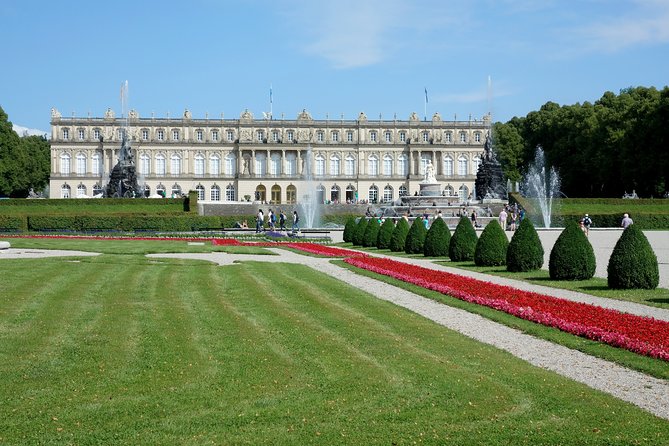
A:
(416, 237)
(633, 264)
(572, 256)
(385, 233)
(349, 229)
(399, 235)
(463, 242)
(371, 233)
(525, 252)
(437, 239)
(359, 232)
(491, 246)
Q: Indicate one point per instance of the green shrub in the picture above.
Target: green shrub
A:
(371, 233)
(572, 256)
(463, 243)
(385, 234)
(415, 240)
(491, 246)
(525, 252)
(349, 230)
(359, 233)
(399, 235)
(633, 264)
(437, 239)
(13, 223)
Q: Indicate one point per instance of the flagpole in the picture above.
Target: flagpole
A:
(425, 106)
(270, 101)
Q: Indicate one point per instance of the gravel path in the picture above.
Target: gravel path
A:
(644, 391)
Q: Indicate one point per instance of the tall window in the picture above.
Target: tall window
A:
(65, 164)
(462, 165)
(291, 164)
(160, 164)
(320, 165)
(291, 194)
(215, 193)
(96, 160)
(230, 164)
(175, 164)
(372, 136)
(463, 193)
(275, 164)
(349, 165)
(230, 135)
(290, 135)
(65, 191)
(230, 193)
(424, 160)
(387, 165)
(144, 164)
(387, 194)
(387, 136)
(402, 165)
(373, 165)
(214, 137)
(448, 166)
(66, 134)
(335, 165)
(200, 137)
(260, 135)
(214, 165)
(373, 194)
(334, 193)
(335, 136)
(463, 137)
(82, 133)
(160, 135)
(426, 136)
(477, 136)
(96, 134)
(275, 136)
(448, 137)
(200, 191)
(449, 191)
(199, 167)
(261, 164)
(403, 136)
(475, 165)
(349, 136)
(175, 135)
(145, 135)
(81, 164)
(320, 136)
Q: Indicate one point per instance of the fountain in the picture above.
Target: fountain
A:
(542, 185)
(310, 202)
(490, 177)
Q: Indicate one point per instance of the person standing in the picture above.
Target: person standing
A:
(626, 221)
(296, 221)
(587, 222)
(260, 221)
(271, 219)
(282, 220)
(513, 220)
(502, 219)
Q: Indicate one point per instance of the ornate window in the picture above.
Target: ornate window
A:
(477, 136)
(335, 193)
(275, 164)
(260, 165)
(449, 191)
(275, 136)
(291, 164)
(448, 137)
(349, 136)
(387, 194)
(260, 135)
(97, 189)
(230, 194)
(66, 134)
(176, 191)
(230, 135)
(160, 135)
(463, 193)
(145, 135)
(290, 135)
(373, 194)
(291, 194)
(81, 191)
(96, 134)
(82, 134)
(65, 191)
(320, 136)
(463, 137)
(215, 193)
(200, 191)
(403, 191)
(335, 136)
(426, 136)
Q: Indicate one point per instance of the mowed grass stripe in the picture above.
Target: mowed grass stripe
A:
(194, 353)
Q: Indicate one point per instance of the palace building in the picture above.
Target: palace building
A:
(249, 159)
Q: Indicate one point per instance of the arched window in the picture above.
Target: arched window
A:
(65, 191)
(230, 193)
(335, 193)
(387, 165)
(387, 194)
(320, 194)
(96, 161)
(65, 164)
(373, 165)
(449, 191)
(291, 194)
(81, 191)
(402, 165)
(200, 189)
(97, 190)
(160, 164)
(463, 193)
(215, 193)
(462, 165)
(351, 195)
(320, 165)
(199, 166)
(144, 164)
(261, 193)
(81, 164)
(175, 164)
(276, 194)
(403, 191)
(349, 165)
(214, 165)
(147, 191)
(335, 165)
(448, 166)
(176, 191)
(160, 190)
(373, 194)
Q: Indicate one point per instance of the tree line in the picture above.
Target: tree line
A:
(617, 145)
(24, 162)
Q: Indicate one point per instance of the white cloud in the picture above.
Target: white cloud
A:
(25, 131)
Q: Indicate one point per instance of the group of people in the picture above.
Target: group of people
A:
(272, 221)
(510, 216)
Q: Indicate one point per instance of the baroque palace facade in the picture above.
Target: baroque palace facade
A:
(268, 160)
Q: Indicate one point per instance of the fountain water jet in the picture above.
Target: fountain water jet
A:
(310, 202)
(542, 185)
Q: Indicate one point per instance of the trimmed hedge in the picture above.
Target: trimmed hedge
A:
(633, 264)
(415, 241)
(572, 256)
(371, 233)
(89, 223)
(437, 240)
(349, 229)
(359, 233)
(13, 223)
(463, 242)
(491, 246)
(525, 252)
(399, 235)
(385, 234)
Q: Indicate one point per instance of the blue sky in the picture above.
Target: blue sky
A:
(331, 58)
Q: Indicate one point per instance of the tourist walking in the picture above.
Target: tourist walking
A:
(296, 221)
(626, 221)
(282, 220)
(260, 221)
(271, 220)
(587, 222)
(502, 219)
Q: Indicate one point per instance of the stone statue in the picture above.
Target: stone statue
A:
(429, 173)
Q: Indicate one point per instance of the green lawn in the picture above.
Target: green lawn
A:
(121, 349)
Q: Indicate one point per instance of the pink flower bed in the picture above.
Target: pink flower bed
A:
(638, 334)
(327, 251)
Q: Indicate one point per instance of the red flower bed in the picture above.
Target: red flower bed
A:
(225, 242)
(327, 251)
(639, 334)
(113, 237)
